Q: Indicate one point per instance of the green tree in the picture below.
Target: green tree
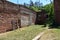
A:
(50, 11)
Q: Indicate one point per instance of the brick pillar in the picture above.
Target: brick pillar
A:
(57, 11)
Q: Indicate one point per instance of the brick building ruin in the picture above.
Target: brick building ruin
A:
(13, 16)
(41, 17)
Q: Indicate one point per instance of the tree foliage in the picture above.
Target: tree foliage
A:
(50, 11)
(37, 6)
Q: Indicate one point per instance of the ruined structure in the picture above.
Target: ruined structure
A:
(13, 16)
(57, 11)
(41, 17)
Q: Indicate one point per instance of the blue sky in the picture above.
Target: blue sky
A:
(27, 1)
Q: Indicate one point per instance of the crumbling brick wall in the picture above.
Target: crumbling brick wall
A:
(10, 16)
(8, 21)
(28, 15)
(41, 17)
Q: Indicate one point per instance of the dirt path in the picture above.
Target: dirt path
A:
(48, 35)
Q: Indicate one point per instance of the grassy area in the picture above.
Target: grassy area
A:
(57, 34)
(26, 33)
(51, 34)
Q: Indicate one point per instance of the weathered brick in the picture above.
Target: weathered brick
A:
(11, 16)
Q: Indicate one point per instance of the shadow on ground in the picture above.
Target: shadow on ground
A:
(54, 25)
(51, 26)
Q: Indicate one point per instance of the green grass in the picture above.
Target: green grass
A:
(57, 34)
(26, 33)
(51, 34)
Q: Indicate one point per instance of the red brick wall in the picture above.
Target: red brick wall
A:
(9, 15)
(5, 21)
(57, 11)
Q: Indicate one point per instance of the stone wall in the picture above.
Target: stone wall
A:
(29, 15)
